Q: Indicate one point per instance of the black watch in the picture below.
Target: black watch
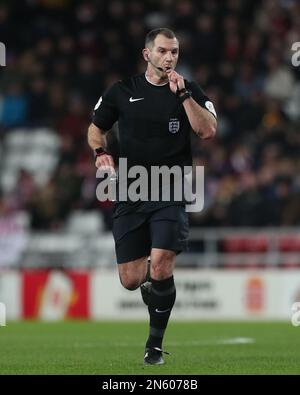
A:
(187, 94)
(99, 151)
(179, 91)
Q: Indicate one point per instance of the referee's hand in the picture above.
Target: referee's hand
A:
(105, 162)
(176, 81)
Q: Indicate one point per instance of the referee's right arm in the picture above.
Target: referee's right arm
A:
(96, 140)
(96, 137)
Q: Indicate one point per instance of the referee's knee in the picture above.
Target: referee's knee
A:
(129, 283)
(162, 264)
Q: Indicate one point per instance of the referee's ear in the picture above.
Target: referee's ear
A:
(146, 54)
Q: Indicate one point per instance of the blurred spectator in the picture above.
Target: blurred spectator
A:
(14, 107)
(45, 208)
(59, 64)
(68, 184)
(248, 81)
(75, 122)
(250, 207)
(38, 102)
(279, 80)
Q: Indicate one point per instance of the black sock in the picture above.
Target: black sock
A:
(161, 302)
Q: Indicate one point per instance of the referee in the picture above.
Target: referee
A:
(156, 111)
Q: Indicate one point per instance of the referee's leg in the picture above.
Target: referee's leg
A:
(132, 244)
(169, 232)
(162, 297)
(162, 264)
(132, 274)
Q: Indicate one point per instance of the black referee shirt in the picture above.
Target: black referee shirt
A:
(153, 127)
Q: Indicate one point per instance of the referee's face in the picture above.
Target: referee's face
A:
(164, 52)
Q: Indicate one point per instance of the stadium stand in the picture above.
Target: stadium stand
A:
(238, 51)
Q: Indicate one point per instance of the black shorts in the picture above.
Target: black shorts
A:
(136, 233)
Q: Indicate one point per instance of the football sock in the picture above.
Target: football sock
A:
(161, 302)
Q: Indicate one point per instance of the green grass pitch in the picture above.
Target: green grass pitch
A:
(117, 348)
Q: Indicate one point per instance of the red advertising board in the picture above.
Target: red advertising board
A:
(55, 294)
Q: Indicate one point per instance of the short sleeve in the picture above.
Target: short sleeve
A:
(106, 111)
(199, 96)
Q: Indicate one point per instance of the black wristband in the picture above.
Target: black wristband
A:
(99, 152)
(179, 91)
(187, 95)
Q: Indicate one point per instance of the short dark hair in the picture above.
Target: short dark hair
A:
(151, 36)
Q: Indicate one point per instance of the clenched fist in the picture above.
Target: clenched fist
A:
(105, 162)
(176, 80)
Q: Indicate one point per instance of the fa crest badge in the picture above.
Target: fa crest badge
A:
(174, 125)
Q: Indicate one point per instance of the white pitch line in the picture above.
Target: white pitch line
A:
(229, 341)
(238, 340)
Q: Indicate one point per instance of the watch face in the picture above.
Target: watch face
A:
(185, 96)
(99, 150)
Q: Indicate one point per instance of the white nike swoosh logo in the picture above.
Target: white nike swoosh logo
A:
(161, 311)
(132, 100)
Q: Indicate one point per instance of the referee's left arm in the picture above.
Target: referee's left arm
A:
(202, 121)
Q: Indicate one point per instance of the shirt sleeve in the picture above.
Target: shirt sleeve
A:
(106, 111)
(199, 96)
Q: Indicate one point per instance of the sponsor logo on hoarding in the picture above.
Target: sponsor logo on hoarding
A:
(255, 294)
(296, 314)
(55, 295)
(2, 314)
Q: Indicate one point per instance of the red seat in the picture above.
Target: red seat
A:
(289, 244)
(256, 244)
(233, 244)
(246, 244)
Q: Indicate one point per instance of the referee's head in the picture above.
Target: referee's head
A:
(161, 50)
(151, 36)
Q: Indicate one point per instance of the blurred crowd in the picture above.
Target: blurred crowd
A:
(62, 54)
